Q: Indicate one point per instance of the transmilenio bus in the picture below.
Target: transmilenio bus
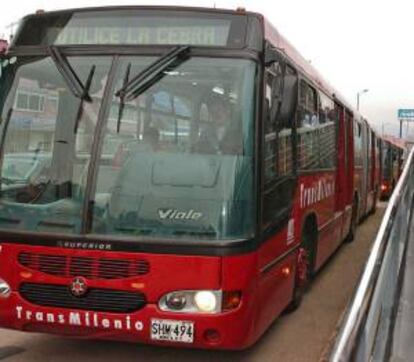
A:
(169, 175)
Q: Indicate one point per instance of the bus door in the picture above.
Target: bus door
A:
(342, 160)
(375, 164)
(350, 172)
(372, 161)
(345, 169)
(366, 165)
(371, 169)
(279, 181)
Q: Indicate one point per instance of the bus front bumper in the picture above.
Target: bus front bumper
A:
(149, 325)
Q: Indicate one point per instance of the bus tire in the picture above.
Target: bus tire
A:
(354, 222)
(305, 264)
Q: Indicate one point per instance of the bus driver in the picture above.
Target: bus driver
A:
(220, 134)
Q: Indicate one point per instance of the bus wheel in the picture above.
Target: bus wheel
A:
(304, 270)
(354, 222)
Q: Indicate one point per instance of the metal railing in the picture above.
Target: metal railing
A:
(366, 331)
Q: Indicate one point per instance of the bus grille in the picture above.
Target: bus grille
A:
(87, 267)
(98, 300)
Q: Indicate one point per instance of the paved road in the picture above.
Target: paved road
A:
(301, 336)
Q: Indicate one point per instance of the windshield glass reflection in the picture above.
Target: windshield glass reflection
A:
(48, 134)
(183, 164)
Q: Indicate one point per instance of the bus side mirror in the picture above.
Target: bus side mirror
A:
(286, 96)
(272, 56)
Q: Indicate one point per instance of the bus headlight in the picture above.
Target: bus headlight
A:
(206, 301)
(5, 289)
(192, 301)
(176, 301)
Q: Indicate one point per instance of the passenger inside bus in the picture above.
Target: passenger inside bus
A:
(152, 138)
(220, 135)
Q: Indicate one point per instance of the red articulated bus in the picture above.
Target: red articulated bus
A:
(392, 162)
(172, 176)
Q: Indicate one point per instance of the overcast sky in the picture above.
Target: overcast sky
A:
(355, 44)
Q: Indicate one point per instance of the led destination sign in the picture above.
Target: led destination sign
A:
(133, 27)
(194, 35)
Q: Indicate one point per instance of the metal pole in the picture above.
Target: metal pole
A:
(401, 122)
(359, 94)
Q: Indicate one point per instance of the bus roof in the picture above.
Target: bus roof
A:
(143, 7)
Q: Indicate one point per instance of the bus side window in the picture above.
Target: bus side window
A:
(358, 157)
(270, 144)
(278, 183)
(317, 129)
(328, 129)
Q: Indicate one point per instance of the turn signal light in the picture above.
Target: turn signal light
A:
(137, 285)
(286, 271)
(231, 300)
(26, 275)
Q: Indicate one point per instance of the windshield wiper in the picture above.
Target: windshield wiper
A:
(69, 75)
(122, 99)
(153, 73)
(85, 97)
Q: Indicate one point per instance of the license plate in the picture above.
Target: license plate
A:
(173, 331)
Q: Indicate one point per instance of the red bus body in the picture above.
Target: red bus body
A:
(257, 282)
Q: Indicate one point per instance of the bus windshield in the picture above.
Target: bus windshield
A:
(173, 161)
